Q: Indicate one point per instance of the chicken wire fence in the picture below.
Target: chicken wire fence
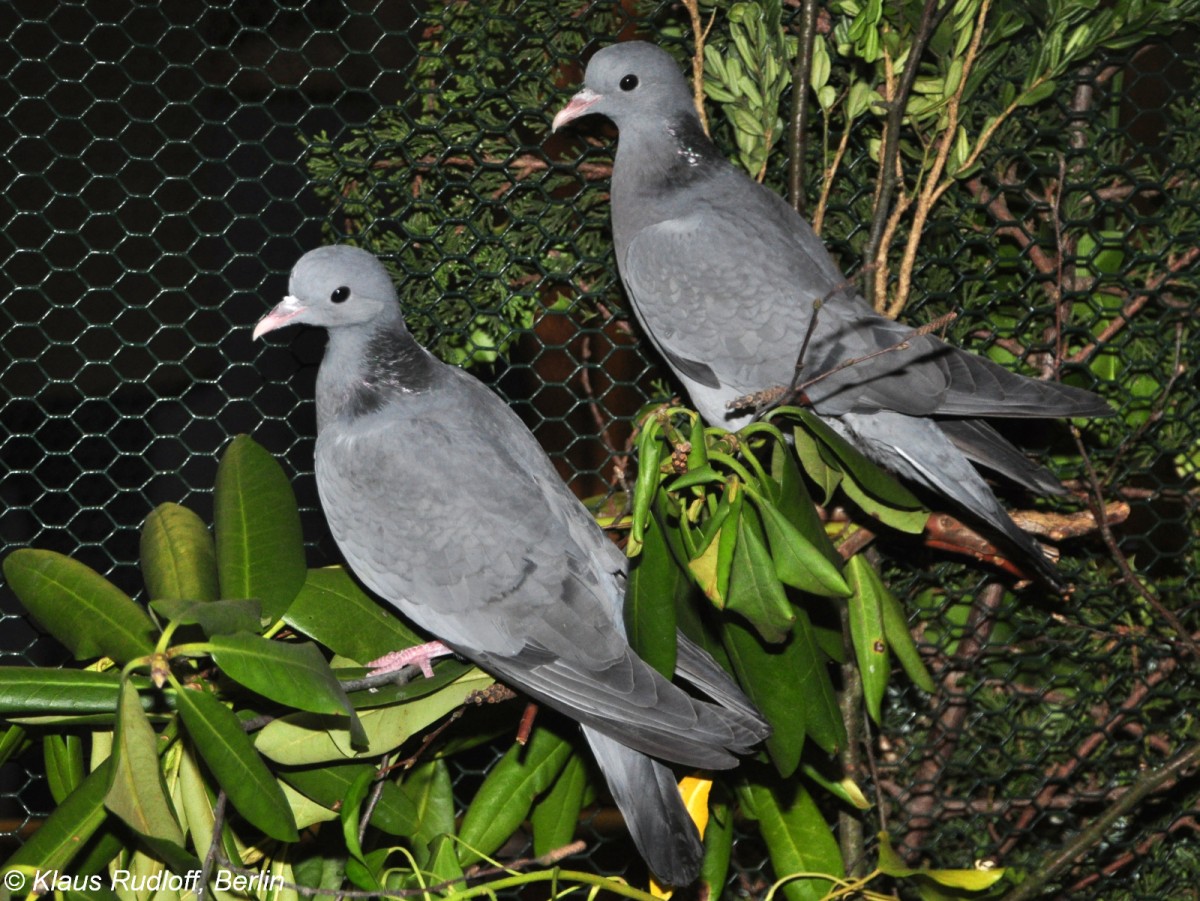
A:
(166, 163)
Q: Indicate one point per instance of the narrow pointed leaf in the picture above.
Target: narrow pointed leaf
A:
(213, 617)
(556, 816)
(755, 592)
(822, 718)
(796, 504)
(808, 451)
(260, 549)
(63, 756)
(797, 837)
(798, 561)
(229, 753)
(866, 632)
(900, 640)
(45, 690)
(508, 793)
(394, 812)
(293, 674)
(718, 848)
(654, 579)
(137, 794)
(304, 738)
(891, 864)
(332, 610)
(179, 559)
(650, 452)
(12, 742)
(66, 831)
(60, 593)
(430, 791)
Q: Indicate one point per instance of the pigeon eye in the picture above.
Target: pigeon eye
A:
(629, 82)
(339, 295)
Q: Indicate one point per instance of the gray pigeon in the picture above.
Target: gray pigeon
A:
(445, 506)
(723, 275)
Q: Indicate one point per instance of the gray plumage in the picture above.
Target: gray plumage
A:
(723, 274)
(444, 505)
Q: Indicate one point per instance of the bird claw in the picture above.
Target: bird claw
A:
(418, 656)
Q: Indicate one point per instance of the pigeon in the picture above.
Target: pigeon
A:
(445, 506)
(726, 278)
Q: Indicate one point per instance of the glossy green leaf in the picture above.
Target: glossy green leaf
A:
(508, 793)
(295, 674)
(866, 632)
(808, 451)
(300, 739)
(444, 861)
(328, 786)
(260, 549)
(555, 816)
(877, 493)
(13, 741)
(654, 579)
(60, 593)
(718, 847)
(66, 831)
(792, 499)
(891, 864)
(63, 757)
(755, 592)
(230, 755)
(796, 560)
(43, 690)
(797, 837)
(305, 811)
(822, 718)
(650, 450)
(137, 793)
(213, 617)
(429, 790)
(179, 559)
(900, 640)
(333, 610)
(771, 677)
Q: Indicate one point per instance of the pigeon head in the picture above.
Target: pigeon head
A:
(335, 287)
(632, 83)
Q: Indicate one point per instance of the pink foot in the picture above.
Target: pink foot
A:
(419, 656)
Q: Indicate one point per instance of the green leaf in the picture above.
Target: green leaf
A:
(12, 742)
(508, 793)
(866, 632)
(137, 793)
(63, 756)
(755, 592)
(1037, 93)
(60, 593)
(808, 451)
(797, 837)
(394, 812)
(218, 737)
(891, 864)
(796, 560)
(293, 674)
(556, 816)
(822, 719)
(650, 449)
(770, 676)
(873, 490)
(260, 549)
(179, 559)
(718, 847)
(333, 610)
(37, 690)
(66, 831)
(300, 739)
(900, 640)
(654, 580)
(430, 791)
(213, 617)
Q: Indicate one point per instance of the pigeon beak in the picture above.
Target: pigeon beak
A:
(578, 106)
(287, 310)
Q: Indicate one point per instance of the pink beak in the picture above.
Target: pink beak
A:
(578, 106)
(285, 311)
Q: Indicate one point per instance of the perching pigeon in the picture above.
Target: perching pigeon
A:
(444, 505)
(723, 275)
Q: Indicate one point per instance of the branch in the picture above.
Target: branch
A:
(801, 76)
(699, 35)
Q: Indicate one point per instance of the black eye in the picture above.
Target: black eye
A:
(629, 82)
(339, 295)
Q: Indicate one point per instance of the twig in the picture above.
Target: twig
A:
(801, 77)
(850, 706)
(699, 35)
(1097, 499)
(1148, 783)
(889, 156)
(210, 858)
(921, 797)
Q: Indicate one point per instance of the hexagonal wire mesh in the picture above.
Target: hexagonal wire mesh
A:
(158, 188)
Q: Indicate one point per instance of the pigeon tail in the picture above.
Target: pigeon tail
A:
(982, 444)
(649, 799)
